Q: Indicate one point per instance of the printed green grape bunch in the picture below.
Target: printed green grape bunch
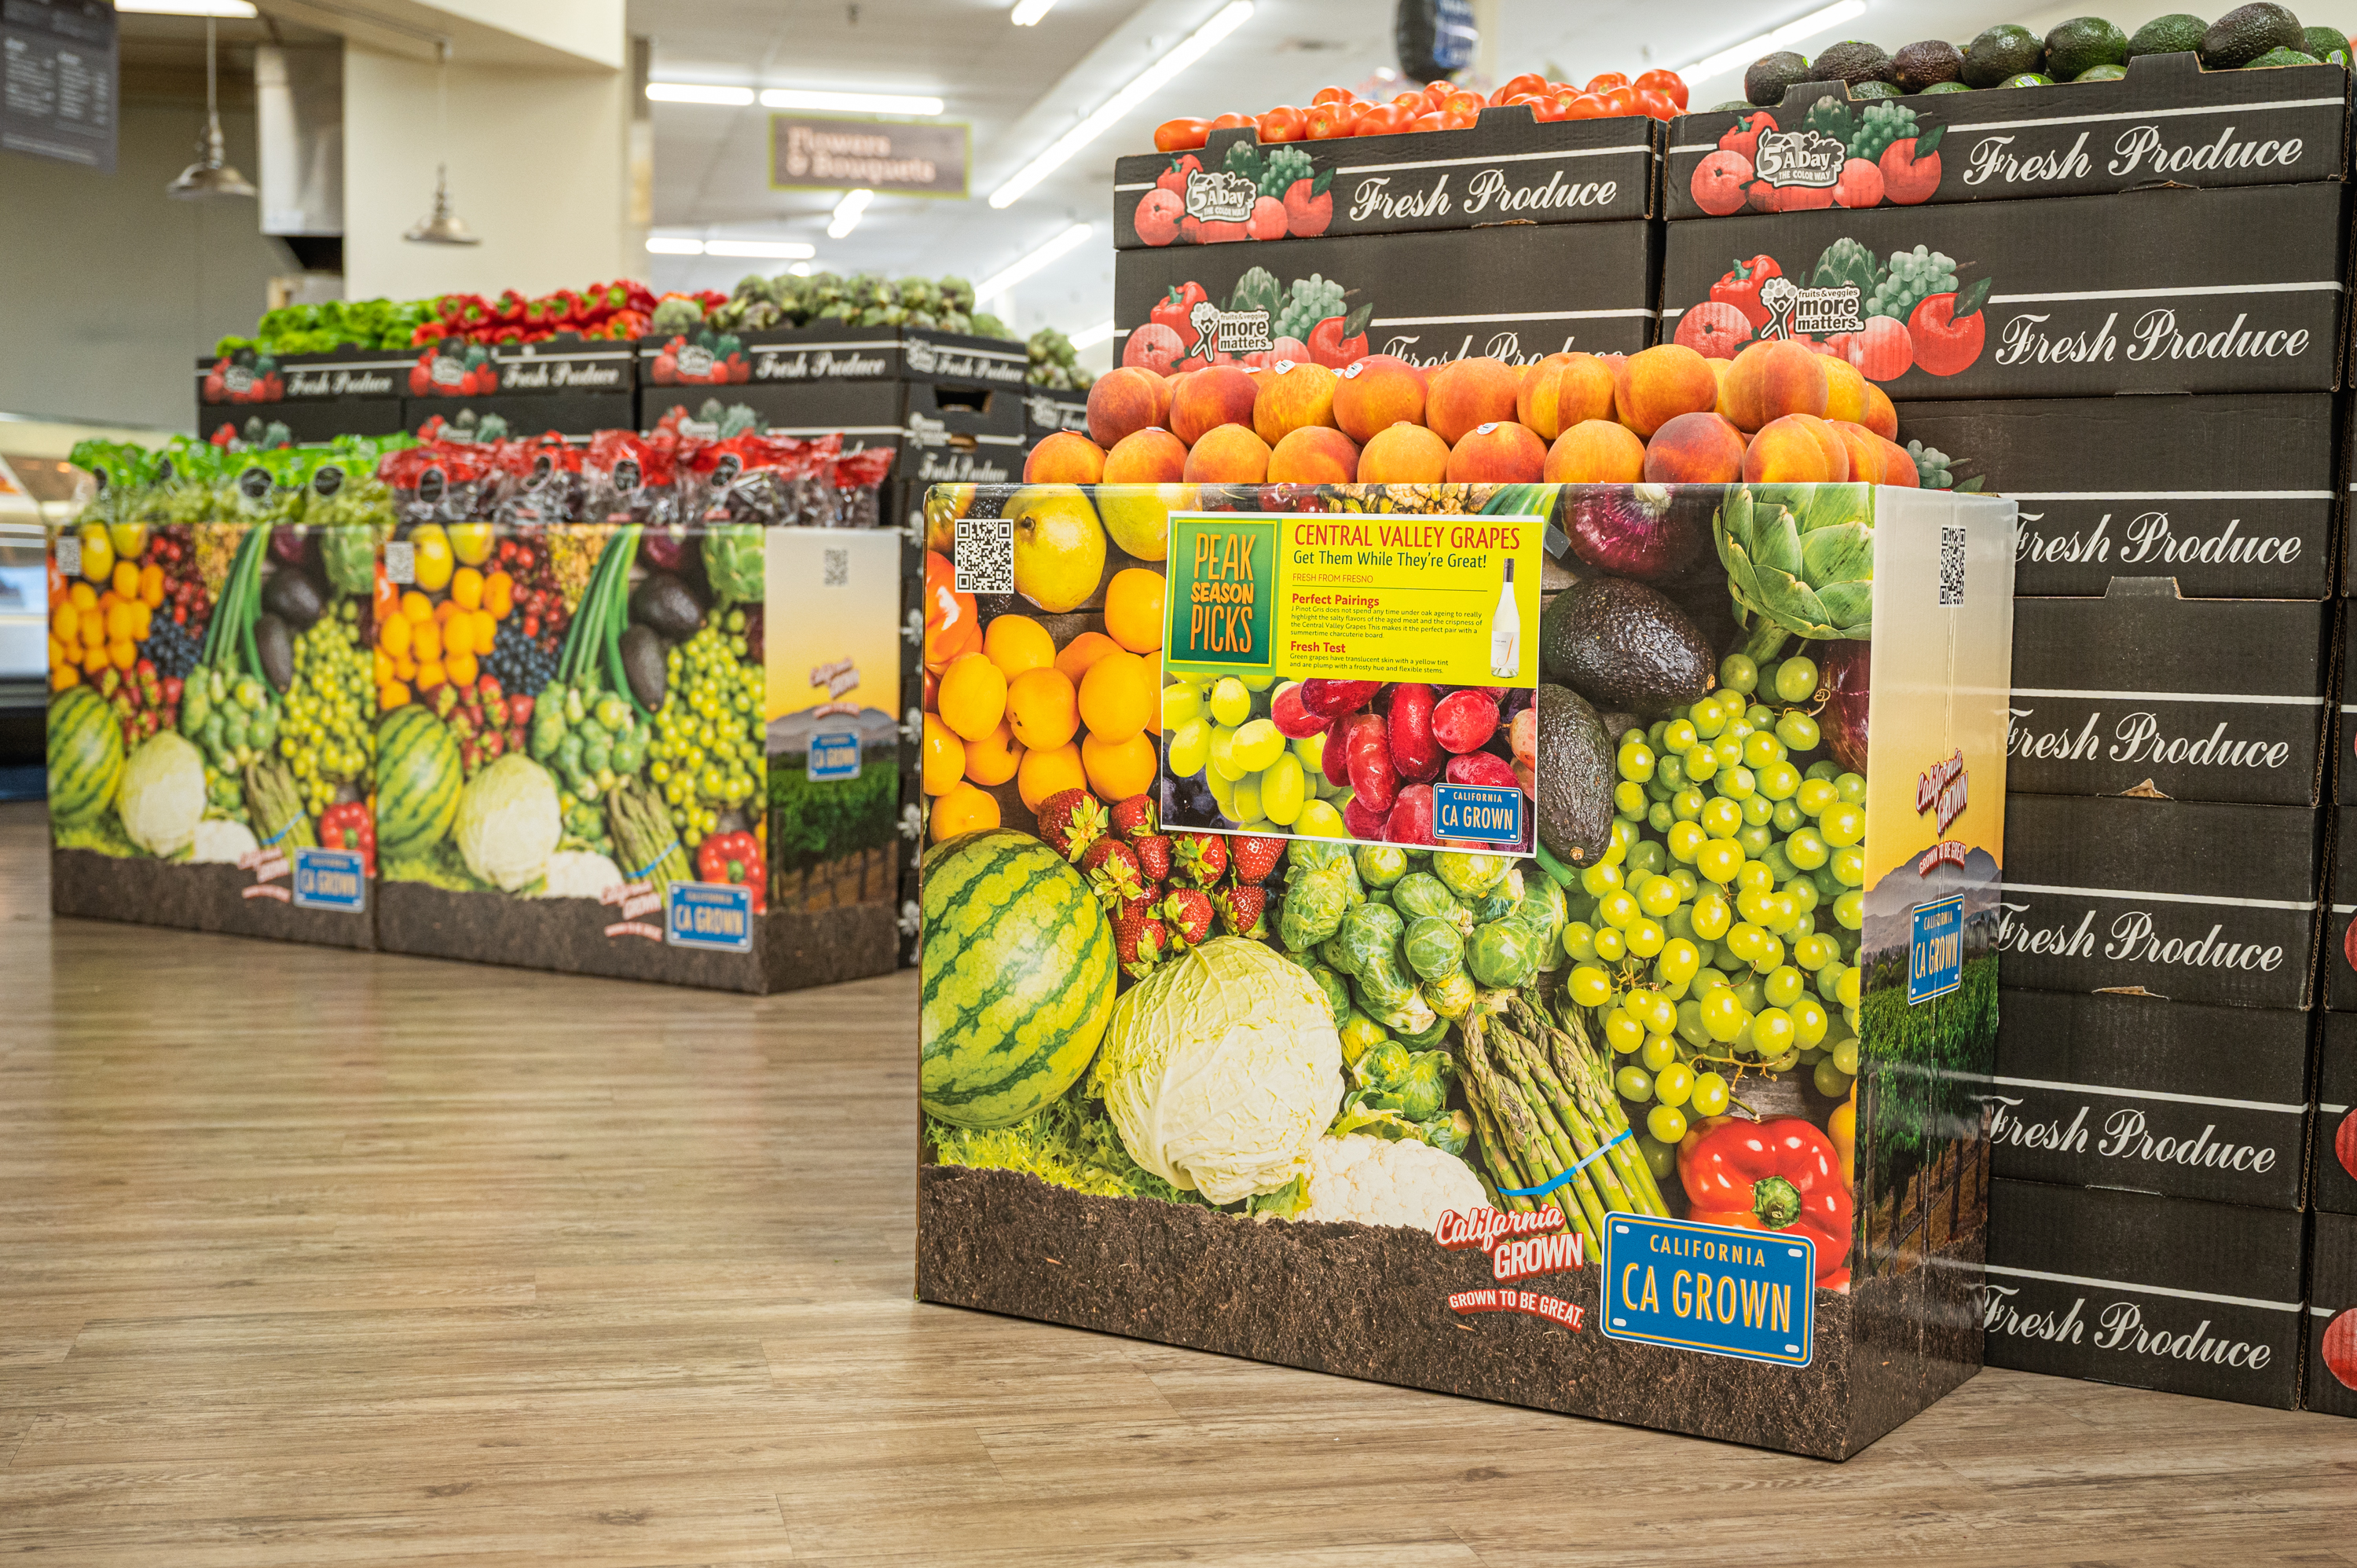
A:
(1309, 300)
(1915, 276)
(1883, 123)
(1285, 165)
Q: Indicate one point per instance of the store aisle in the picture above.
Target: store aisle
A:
(315, 1258)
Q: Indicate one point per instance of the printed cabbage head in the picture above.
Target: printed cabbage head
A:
(509, 823)
(163, 795)
(1221, 1070)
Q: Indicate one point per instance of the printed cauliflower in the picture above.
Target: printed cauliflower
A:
(1375, 1181)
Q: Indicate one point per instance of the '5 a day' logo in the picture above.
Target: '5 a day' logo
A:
(1222, 591)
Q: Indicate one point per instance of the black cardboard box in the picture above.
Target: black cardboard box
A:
(2152, 1293)
(2137, 1093)
(2339, 962)
(2232, 496)
(2191, 900)
(828, 351)
(1508, 169)
(304, 421)
(1047, 410)
(2196, 699)
(243, 380)
(576, 417)
(2332, 1164)
(2167, 120)
(2158, 291)
(1516, 292)
(2343, 769)
(944, 432)
(2332, 1384)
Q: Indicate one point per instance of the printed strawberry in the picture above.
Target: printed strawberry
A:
(1071, 821)
(1188, 911)
(1140, 940)
(1240, 909)
(1111, 868)
(1134, 818)
(1199, 858)
(1153, 856)
(1255, 855)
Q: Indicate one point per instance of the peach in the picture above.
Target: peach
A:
(1561, 390)
(1148, 456)
(1067, 457)
(1694, 449)
(1879, 416)
(1215, 395)
(1295, 395)
(1772, 379)
(1227, 455)
(1404, 455)
(1504, 452)
(1865, 450)
(1314, 455)
(1655, 385)
(1845, 391)
(1898, 467)
(1797, 449)
(1595, 452)
(1124, 401)
(1463, 393)
(1375, 393)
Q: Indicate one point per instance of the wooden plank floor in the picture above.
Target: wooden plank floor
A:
(309, 1258)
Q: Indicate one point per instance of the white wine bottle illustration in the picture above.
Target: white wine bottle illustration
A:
(1506, 631)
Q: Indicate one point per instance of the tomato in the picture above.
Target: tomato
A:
(1410, 99)
(1546, 110)
(1462, 103)
(1179, 135)
(1227, 122)
(1330, 95)
(1460, 119)
(1606, 82)
(1668, 83)
(1328, 120)
(1282, 123)
(1530, 82)
(1587, 106)
(1620, 100)
(1432, 121)
(1384, 119)
(1436, 94)
(1655, 104)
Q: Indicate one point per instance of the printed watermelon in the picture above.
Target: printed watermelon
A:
(85, 756)
(1018, 978)
(417, 781)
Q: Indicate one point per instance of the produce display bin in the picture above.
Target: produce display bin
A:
(826, 351)
(1046, 411)
(2167, 121)
(2332, 1172)
(2232, 496)
(317, 397)
(2133, 1092)
(2160, 291)
(2344, 731)
(1321, 888)
(2339, 948)
(2331, 1379)
(1507, 168)
(2153, 1292)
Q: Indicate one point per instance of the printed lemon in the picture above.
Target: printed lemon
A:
(992, 760)
(1118, 769)
(1117, 696)
(1043, 708)
(1133, 610)
(1048, 772)
(1018, 643)
(964, 809)
(973, 696)
(942, 762)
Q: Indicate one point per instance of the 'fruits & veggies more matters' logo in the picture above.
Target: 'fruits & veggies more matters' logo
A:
(1885, 315)
(1836, 157)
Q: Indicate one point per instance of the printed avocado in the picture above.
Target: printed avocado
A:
(1769, 75)
(2246, 32)
(2273, 58)
(1853, 61)
(1576, 775)
(1618, 642)
(2178, 33)
(2081, 44)
(2003, 50)
(2324, 43)
(1925, 65)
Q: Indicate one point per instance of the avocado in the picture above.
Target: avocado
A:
(1733, 106)
(2003, 50)
(1617, 641)
(2102, 73)
(1617, 723)
(2178, 33)
(1922, 65)
(1945, 86)
(1864, 91)
(2029, 79)
(2273, 58)
(1576, 775)
(2246, 32)
(1769, 75)
(2324, 43)
(1854, 62)
(2081, 44)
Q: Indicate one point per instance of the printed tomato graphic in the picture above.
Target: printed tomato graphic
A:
(1158, 216)
(2341, 1347)
(1155, 347)
(1718, 182)
(1310, 207)
(1860, 184)
(1267, 220)
(1911, 168)
(1946, 341)
(1803, 198)
(2344, 1144)
(1744, 138)
(1714, 329)
(1884, 348)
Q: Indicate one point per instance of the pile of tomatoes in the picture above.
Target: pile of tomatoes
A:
(1442, 106)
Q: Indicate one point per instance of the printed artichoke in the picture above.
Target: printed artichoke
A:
(1800, 562)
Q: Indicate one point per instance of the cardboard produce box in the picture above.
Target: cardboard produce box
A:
(2160, 291)
(2332, 1173)
(2232, 496)
(2331, 1381)
(1514, 293)
(828, 351)
(943, 434)
(2114, 895)
(2133, 1092)
(346, 392)
(1046, 411)
(1508, 169)
(2344, 732)
(1329, 1027)
(2339, 955)
(2142, 692)
(307, 423)
(2167, 120)
(2153, 1292)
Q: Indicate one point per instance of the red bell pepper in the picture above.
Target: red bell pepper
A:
(734, 858)
(1780, 1175)
(1740, 288)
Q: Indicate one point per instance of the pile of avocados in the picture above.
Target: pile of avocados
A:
(2085, 49)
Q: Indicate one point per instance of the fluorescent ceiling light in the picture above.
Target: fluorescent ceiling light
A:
(852, 103)
(846, 213)
(1062, 245)
(697, 93)
(1791, 33)
(674, 245)
(766, 250)
(1027, 12)
(1196, 46)
(237, 8)
(1091, 337)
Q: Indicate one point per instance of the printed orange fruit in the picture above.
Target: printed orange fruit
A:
(941, 757)
(1133, 610)
(1018, 643)
(1044, 708)
(973, 697)
(1117, 696)
(1082, 651)
(1049, 772)
(1118, 769)
(992, 760)
(964, 809)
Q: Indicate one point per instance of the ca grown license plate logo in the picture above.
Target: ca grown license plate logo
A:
(1936, 950)
(1749, 1294)
(833, 758)
(714, 916)
(1482, 812)
(330, 879)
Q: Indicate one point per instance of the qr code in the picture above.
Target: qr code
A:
(986, 555)
(68, 555)
(1952, 567)
(400, 563)
(838, 568)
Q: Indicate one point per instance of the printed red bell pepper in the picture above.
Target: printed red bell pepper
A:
(1780, 1175)
(1740, 288)
(1175, 308)
(349, 824)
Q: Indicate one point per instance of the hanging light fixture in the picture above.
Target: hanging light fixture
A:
(442, 226)
(209, 178)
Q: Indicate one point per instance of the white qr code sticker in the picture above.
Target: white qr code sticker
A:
(986, 555)
(838, 568)
(1952, 567)
(68, 555)
(400, 563)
